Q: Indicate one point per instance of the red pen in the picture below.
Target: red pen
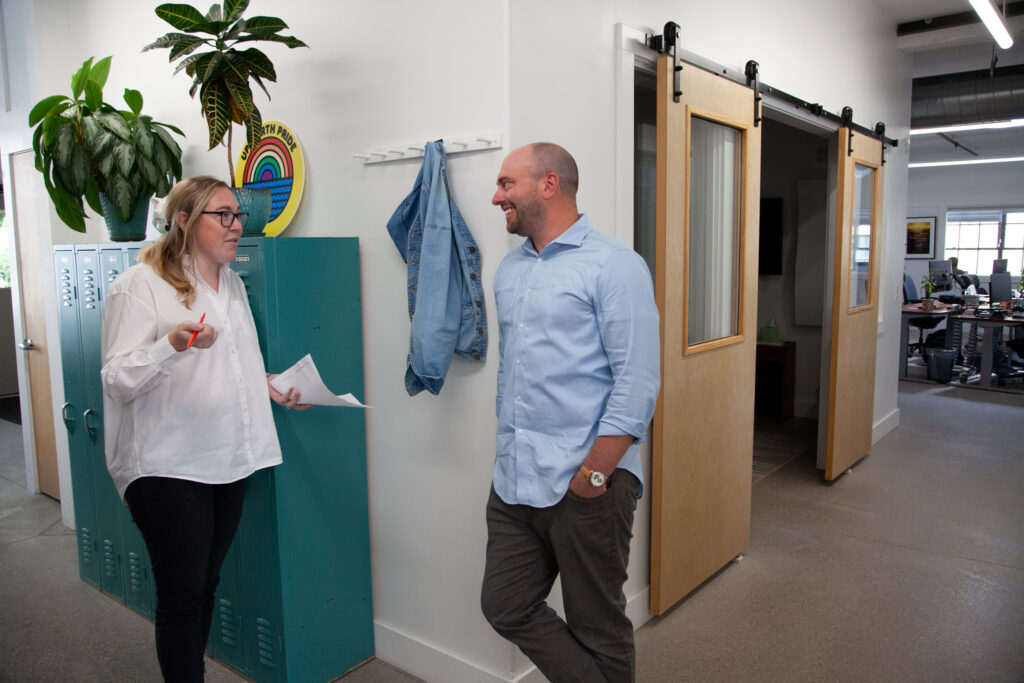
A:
(193, 337)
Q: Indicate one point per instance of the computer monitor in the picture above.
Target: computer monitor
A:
(942, 275)
(999, 265)
(999, 289)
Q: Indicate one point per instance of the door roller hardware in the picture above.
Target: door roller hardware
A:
(667, 42)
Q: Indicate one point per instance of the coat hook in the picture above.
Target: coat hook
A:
(380, 154)
(359, 155)
(462, 143)
(392, 150)
(417, 148)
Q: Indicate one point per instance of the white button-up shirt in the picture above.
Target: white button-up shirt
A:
(199, 414)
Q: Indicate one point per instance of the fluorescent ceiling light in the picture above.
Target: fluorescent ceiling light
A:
(1015, 123)
(964, 162)
(993, 22)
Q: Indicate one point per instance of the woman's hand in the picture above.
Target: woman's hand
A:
(183, 332)
(288, 400)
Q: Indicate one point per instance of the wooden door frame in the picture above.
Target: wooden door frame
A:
(22, 144)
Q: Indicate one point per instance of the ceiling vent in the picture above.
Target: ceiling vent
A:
(968, 97)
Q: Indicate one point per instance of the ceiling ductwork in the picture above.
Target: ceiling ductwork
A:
(968, 97)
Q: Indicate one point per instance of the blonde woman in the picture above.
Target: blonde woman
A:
(186, 409)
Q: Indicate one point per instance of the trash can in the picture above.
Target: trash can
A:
(940, 364)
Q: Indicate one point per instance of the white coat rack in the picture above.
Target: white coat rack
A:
(455, 145)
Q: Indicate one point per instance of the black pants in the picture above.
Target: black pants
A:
(188, 528)
(586, 541)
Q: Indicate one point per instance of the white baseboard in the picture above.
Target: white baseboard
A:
(435, 665)
(885, 425)
(429, 662)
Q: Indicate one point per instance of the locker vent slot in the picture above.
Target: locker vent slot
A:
(228, 629)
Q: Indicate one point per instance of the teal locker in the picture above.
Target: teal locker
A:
(74, 405)
(294, 602)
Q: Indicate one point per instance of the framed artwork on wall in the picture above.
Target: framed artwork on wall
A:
(921, 237)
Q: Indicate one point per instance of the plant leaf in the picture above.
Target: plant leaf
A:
(260, 83)
(234, 9)
(63, 143)
(168, 126)
(236, 67)
(259, 64)
(92, 196)
(290, 41)
(75, 174)
(133, 98)
(253, 128)
(37, 148)
(185, 46)
(115, 123)
(217, 110)
(241, 96)
(124, 157)
(188, 62)
(119, 191)
(149, 172)
(183, 17)
(79, 79)
(166, 139)
(264, 25)
(50, 128)
(105, 164)
(69, 208)
(99, 72)
(44, 107)
(93, 95)
(169, 39)
(142, 136)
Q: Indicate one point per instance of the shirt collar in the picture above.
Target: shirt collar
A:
(572, 237)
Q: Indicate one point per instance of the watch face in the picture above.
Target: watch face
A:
(597, 479)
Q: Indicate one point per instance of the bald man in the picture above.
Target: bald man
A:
(578, 378)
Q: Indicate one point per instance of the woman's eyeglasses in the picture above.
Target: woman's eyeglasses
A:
(227, 218)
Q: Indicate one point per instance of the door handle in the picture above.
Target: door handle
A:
(85, 417)
(68, 420)
(27, 345)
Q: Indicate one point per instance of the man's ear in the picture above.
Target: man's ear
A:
(549, 185)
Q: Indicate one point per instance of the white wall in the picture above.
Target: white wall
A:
(399, 72)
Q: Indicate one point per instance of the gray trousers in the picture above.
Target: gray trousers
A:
(586, 541)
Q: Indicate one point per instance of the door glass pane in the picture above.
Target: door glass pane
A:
(860, 235)
(713, 249)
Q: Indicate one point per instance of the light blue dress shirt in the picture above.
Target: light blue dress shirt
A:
(579, 358)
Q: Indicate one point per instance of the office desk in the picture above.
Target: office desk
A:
(914, 311)
(988, 347)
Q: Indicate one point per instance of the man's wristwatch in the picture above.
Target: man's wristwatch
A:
(595, 478)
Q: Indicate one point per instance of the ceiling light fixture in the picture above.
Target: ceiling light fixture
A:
(993, 22)
(964, 162)
(1015, 123)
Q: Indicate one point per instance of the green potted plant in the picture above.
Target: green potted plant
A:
(221, 77)
(927, 284)
(113, 159)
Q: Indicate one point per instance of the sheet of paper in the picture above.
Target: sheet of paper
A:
(305, 378)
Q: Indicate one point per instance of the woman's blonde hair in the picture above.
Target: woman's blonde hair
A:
(165, 256)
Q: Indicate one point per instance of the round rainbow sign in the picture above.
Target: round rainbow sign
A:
(276, 165)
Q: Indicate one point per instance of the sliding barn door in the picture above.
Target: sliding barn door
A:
(706, 285)
(854, 302)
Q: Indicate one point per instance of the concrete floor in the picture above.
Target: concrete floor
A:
(909, 568)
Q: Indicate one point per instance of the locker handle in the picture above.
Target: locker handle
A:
(68, 420)
(88, 427)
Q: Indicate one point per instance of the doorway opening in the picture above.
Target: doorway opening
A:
(793, 285)
(792, 293)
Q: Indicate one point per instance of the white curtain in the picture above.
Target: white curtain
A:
(714, 215)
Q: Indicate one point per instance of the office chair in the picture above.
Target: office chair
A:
(922, 322)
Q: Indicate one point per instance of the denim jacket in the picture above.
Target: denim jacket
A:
(446, 296)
